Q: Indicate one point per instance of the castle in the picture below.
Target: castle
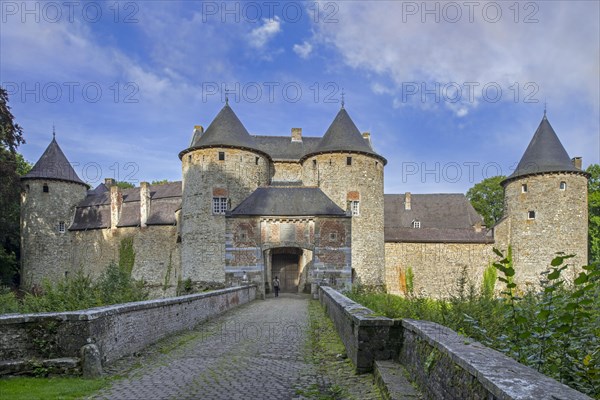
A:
(305, 209)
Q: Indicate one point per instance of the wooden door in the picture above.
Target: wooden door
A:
(285, 266)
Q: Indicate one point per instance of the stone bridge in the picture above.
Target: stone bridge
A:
(241, 348)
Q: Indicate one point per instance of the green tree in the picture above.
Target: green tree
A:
(594, 213)
(160, 182)
(11, 136)
(125, 185)
(487, 198)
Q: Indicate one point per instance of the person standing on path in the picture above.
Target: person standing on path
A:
(276, 286)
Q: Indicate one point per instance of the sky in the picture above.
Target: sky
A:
(451, 92)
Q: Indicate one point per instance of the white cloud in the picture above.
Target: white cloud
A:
(562, 63)
(303, 50)
(261, 35)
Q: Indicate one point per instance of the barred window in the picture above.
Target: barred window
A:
(219, 205)
(416, 224)
(355, 207)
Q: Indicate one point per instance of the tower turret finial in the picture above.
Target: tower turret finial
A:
(226, 96)
(53, 132)
(545, 104)
(343, 93)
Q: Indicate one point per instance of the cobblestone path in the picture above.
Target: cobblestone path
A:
(256, 351)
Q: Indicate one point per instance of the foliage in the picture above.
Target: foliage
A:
(489, 282)
(410, 281)
(487, 198)
(49, 388)
(594, 213)
(126, 254)
(555, 330)
(160, 182)
(11, 136)
(125, 185)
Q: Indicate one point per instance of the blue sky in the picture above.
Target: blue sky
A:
(451, 92)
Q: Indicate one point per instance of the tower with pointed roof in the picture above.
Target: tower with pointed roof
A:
(222, 166)
(50, 192)
(545, 206)
(347, 169)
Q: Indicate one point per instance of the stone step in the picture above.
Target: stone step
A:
(390, 377)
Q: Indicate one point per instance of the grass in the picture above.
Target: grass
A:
(58, 388)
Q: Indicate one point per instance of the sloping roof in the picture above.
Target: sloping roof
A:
(53, 164)
(93, 212)
(447, 218)
(344, 136)
(288, 201)
(283, 148)
(226, 130)
(545, 153)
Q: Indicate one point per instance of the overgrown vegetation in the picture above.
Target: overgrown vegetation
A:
(79, 291)
(555, 330)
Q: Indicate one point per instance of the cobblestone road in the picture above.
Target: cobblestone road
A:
(257, 351)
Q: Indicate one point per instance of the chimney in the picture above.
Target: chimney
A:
(367, 137)
(407, 201)
(116, 201)
(577, 161)
(144, 203)
(296, 134)
(199, 129)
(478, 226)
(108, 182)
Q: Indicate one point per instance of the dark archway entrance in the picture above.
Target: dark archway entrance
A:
(285, 264)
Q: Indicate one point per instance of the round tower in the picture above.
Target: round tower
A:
(347, 169)
(545, 207)
(49, 194)
(222, 166)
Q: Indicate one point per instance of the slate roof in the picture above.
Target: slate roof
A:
(545, 153)
(445, 218)
(288, 201)
(53, 165)
(93, 212)
(343, 136)
(226, 130)
(282, 148)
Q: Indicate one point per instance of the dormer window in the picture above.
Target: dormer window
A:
(563, 185)
(416, 224)
(524, 188)
(45, 188)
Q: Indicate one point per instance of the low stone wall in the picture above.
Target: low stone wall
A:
(448, 366)
(116, 330)
(442, 363)
(367, 337)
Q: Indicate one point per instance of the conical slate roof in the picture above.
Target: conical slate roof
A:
(545, 153)
(344, 136)
(53, 164)
(226, 130)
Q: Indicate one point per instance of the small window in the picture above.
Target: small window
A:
(61, 227)
(190, 158)
(563, 185)
(314, 163)
(355, 207)
(256, 161)
(524, 188)
(243, 237)
(333, 236)
(416, 224)
(45, 188)
(348, 160)
(530, 214)
(220, 205)
(221, 156)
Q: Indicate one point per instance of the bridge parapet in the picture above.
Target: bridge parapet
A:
(444, 364)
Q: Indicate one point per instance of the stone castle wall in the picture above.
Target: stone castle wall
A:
(436, 267)
(560, 223)
(46, 252)
(202, 232)
(363, 181)
(286, 172)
